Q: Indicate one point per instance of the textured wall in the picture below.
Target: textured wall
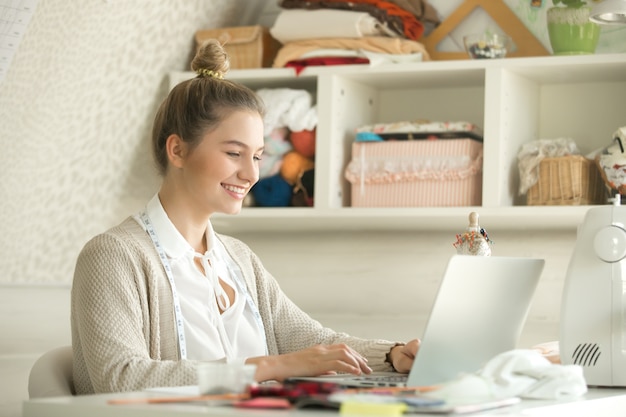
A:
(76, 108)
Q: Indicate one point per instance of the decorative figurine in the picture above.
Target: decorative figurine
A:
(475, 241)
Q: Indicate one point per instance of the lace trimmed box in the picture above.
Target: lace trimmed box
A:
(435, 172)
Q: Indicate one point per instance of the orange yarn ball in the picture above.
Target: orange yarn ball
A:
(304, 142)
(293, 164)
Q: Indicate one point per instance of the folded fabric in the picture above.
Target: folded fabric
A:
(524, 373)
(392, 17)
(421, 9)
(379, 59)
(297, 24)
(374, 58)
(287, 107)
(300, 64)
(378, 44)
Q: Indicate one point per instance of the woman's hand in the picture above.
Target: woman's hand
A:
(402, 356)
(313, 361)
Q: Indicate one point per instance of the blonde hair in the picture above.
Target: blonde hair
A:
(196, 106)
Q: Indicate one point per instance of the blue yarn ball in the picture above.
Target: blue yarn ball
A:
(273, 191)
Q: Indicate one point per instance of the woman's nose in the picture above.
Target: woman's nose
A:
(250, 171)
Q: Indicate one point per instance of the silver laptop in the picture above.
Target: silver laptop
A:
(479, 312)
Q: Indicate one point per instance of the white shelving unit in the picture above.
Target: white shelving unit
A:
(515, 100)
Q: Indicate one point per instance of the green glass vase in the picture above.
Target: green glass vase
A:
(571, 32)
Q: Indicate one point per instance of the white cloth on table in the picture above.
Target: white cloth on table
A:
(521, 373)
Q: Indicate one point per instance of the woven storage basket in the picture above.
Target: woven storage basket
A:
(567, 180)
(246, 46)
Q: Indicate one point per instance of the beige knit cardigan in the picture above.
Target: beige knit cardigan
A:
(122, 318)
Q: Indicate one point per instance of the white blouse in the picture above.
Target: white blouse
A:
(233, 335)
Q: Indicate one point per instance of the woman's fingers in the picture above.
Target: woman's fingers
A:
(342, 358)
(314, 361)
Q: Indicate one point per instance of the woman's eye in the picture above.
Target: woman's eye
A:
(258, 157)
(233, 154)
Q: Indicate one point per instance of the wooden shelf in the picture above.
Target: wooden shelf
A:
(515, 100)
(450, 219)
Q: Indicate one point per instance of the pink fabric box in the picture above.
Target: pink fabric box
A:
(416, 173)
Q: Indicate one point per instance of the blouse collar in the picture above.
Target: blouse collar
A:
(172, 241)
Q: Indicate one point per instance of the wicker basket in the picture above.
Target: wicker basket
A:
(568, 180)
(246, 46)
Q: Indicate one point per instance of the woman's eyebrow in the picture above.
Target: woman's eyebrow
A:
(234, 142)
(241, 144)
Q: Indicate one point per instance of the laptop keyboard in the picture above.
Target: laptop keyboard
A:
(384, 380)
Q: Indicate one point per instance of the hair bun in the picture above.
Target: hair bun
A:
(211, 60)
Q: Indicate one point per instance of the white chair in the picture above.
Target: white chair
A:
(51, 374)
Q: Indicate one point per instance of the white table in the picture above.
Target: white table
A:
(598, 402)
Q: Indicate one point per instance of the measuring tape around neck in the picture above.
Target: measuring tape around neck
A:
(178, 314)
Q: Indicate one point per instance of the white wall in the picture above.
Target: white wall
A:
(75, 112)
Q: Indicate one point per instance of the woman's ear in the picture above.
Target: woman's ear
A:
(176, 150)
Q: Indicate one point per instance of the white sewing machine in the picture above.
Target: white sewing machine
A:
(593, 310)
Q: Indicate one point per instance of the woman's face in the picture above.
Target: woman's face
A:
(220, 171)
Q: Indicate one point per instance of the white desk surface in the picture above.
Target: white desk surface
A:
(598, 402)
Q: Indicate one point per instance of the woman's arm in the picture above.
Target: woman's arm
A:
(298, 344)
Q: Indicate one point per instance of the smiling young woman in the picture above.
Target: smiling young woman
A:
(162, 292)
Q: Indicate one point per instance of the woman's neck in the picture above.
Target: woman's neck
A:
(190, 223)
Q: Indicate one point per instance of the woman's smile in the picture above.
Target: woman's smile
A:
(235, 191)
